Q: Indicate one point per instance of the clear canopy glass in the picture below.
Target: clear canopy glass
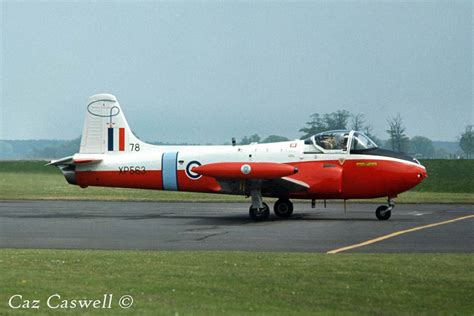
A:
(339, 140)
(333, 140)
(362, 142)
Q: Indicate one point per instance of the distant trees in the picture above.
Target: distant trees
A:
(337, 120)
(422, 146)
(441, 153)
(358, 121)
(274, 139)
(314, 126)
(249, 139)
(358, 124)
(68, 148)
(255, 138)
(398, 140)
(328, 121)
(467, 141)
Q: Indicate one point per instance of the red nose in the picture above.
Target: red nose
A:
(422, 173)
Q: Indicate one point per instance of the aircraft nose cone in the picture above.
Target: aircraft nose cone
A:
(421, 173)
(413, 176)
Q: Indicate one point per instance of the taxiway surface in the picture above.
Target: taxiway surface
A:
(226, 226)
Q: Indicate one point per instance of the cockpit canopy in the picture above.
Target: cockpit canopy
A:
(336, 141)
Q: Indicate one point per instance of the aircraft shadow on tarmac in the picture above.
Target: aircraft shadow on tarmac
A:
(205, 219)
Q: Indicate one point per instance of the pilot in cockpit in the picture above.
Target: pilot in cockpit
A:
(344, 141)
(329, 142)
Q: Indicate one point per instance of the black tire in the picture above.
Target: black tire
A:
(260, 215)
(383, 213)
(283, 208)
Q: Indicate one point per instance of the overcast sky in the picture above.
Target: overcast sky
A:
(204, 72)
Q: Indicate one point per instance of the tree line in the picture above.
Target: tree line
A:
(398, 140)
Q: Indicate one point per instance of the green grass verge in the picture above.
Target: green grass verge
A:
(448, 182)
(243, 283)
(32, 180)
(455, 176)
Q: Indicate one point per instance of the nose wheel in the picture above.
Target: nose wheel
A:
(384, 212)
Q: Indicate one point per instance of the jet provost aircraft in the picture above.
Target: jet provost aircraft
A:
(331, 165)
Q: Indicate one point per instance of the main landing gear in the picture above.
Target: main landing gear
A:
(260, 211)
(283, 208)
(384, 212)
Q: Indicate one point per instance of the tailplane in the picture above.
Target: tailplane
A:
(105, 128)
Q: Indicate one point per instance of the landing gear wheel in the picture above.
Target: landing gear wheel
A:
(260, 214)
(283, 208)
(383, 212)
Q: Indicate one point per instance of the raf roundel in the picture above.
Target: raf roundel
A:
(245, 169)
(189, 168)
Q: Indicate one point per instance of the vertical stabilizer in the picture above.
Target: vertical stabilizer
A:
(105, 128)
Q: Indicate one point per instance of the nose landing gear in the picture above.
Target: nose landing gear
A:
(384, 212)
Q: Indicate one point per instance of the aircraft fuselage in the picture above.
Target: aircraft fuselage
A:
(329, 176)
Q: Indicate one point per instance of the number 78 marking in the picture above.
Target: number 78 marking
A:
(134, 147)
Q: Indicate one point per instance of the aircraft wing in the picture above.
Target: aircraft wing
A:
(269, 187)
(287, 184)
(282, 186)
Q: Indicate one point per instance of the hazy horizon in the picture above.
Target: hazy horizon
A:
(207, 72)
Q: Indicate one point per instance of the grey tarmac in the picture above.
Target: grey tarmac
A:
(227, 226)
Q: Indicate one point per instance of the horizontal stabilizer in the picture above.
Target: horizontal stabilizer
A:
(61, 162)
(73, 160)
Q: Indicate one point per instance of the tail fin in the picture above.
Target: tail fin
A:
(105, 128)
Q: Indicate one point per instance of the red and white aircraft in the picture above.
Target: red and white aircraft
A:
(330, 165)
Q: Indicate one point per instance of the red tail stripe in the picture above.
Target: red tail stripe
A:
(121, 139)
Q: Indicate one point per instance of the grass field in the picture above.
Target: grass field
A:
(235, 283)
(449, 181)
(242, 283)
(455, 176)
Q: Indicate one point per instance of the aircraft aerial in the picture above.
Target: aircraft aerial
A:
(339, 164)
